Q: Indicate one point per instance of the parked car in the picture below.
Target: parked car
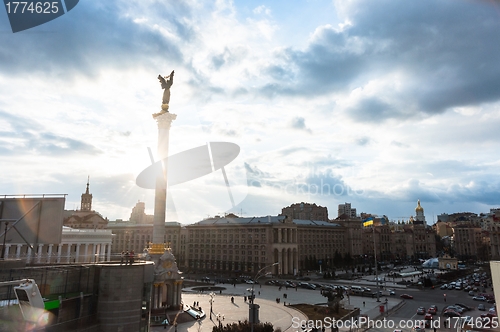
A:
(432, 310)
(421, 311)
(465, 307)
(471, 293)
(488, 315)
(455, 308)
(307, 286)
(444, 286)
(451, 313)
(419, 326)
(479, 298)
(481, 307)
(406, 296)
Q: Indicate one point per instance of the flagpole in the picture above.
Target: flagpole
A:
(376, 270)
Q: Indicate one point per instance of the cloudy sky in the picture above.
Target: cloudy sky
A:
(376, 103)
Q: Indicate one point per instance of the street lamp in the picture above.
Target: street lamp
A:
(212, 295)
(376, 270)
(253, 307)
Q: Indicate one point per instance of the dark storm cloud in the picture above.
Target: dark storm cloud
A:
(450, 48)
(96, 35)
(446, 51)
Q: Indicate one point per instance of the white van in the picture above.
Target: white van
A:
(357, 290)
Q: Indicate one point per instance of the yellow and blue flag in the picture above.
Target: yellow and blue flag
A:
(368, 222)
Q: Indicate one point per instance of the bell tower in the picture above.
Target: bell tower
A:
(86, 201)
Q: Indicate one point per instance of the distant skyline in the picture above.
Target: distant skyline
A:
(376, 103)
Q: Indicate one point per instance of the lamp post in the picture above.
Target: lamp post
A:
(212, 295)
(252, 306)
(376, 270)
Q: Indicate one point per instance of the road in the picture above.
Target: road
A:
(427, 297)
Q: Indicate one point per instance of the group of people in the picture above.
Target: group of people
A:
(128, 257)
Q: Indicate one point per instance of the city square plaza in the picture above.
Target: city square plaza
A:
(285, 317)
(279, 314)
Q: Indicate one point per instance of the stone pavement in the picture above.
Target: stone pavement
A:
(279, 315)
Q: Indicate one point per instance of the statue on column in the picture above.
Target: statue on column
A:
(166, 83)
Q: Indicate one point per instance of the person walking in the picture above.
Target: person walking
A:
(131, 258)
(127, 257)
(122, 257)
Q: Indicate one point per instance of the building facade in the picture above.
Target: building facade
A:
(305, 211)
(346, 209)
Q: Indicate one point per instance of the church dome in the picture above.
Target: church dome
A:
(419, 208)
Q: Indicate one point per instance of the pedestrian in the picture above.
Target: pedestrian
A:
(127, 257)
(197, 304)
(244, 298)
(259, 293)
(122, 257)
(132, 254)
(364, 304)
(194, 304)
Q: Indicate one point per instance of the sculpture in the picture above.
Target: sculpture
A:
(166, 83)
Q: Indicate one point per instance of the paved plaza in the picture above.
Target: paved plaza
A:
(280, 315)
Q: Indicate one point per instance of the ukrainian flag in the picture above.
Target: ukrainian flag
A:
(368, 222)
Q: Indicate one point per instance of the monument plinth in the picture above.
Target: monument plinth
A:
(167, 278)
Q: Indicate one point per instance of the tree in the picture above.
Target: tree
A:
(337, 259)
(245, 327)
(347, 259)
(334, 297)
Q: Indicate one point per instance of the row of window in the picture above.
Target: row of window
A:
(236, 258)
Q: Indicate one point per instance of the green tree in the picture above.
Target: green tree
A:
(245, 327)
(347, 259)
(337, 259)
(334, 298)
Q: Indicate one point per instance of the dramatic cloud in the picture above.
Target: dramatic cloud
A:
(377, 103)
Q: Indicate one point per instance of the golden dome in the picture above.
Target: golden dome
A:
(419, 208)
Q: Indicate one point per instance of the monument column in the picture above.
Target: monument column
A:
(164, 121)
(165, 270)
